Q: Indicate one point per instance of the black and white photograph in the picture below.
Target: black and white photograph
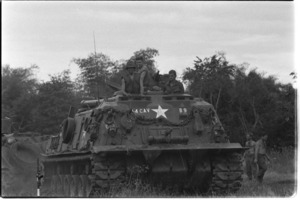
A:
(148, 99)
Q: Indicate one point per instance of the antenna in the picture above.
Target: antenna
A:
(96, 65)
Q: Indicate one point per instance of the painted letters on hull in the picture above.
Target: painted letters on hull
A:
(141, 110)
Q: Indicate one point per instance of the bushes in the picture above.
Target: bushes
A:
(283, 162)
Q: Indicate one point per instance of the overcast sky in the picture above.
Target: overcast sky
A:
(50, 34)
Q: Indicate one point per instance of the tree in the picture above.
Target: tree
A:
(210, 78)
(54, 100)
(95, 70)
(262, 107)
(99, 70)
(246, 102)
(293, 75)
(148, 54)
(19, 90)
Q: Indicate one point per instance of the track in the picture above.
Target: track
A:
(109, 171)
(67, 178)
(82, 177)
(89, 175)
(226, 173)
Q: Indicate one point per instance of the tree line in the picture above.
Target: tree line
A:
(246, 100)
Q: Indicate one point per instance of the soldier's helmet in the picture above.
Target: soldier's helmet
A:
(130, 64)
(172, 71)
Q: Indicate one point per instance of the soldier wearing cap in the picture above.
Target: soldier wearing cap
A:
(130, 80)
(249, 157)
(173, 86)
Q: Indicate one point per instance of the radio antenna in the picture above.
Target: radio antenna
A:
(96, 65)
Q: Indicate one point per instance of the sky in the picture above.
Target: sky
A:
(51, 34)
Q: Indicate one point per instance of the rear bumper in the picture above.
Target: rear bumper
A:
(144, 148)
(171, 147)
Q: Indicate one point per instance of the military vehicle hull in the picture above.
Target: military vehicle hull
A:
(122, 139)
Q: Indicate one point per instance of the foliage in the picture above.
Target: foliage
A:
(19, 87)
(279, 181)
(54, 99)
(294, 75)
(265, 106)
(210, 77)
(148, 55)
(245, 102)
(95, 70)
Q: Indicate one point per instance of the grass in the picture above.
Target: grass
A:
(279, 181)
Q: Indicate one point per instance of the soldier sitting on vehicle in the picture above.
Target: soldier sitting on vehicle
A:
(147, 82)
(130, 80)
(143, 72)
(173, 86)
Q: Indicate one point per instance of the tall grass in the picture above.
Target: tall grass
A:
(283, 162)
(279, 181)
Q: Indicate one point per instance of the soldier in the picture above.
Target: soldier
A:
(260, 156)
(130, 80)
(249, 157)
(147, 81)
(173, 86)
(144, 73)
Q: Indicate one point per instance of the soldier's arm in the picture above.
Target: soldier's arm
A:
(123, 87)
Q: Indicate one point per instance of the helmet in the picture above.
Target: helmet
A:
(130, 64)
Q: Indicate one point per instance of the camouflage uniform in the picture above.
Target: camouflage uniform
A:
(249, 158)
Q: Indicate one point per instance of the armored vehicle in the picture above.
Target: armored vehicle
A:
(170, 139)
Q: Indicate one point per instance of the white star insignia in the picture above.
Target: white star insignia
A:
(160, 112)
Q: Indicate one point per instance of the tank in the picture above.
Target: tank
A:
(173, 140)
